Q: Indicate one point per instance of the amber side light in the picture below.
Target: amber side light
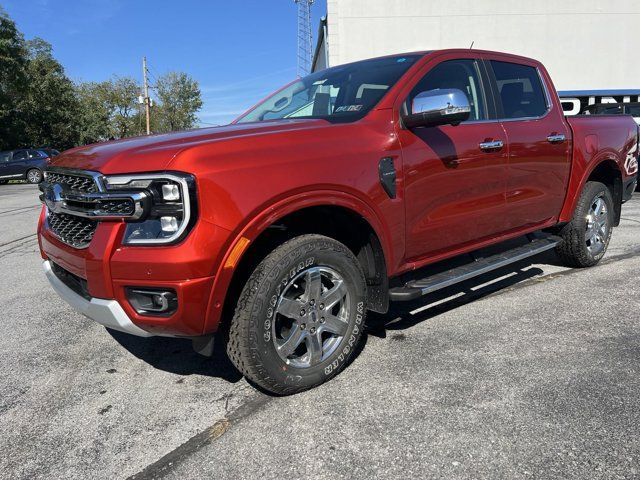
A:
(236, 252)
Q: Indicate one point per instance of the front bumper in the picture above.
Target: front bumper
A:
(108, 268)
(106, 312)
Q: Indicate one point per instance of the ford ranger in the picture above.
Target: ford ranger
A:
(332, 197)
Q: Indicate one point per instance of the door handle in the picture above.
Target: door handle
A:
(556, 138)
(491, 145)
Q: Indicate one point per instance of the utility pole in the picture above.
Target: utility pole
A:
(146, 94)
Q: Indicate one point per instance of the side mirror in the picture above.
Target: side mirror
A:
(443, 106)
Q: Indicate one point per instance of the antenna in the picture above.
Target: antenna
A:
(472, 45)
(305, 40)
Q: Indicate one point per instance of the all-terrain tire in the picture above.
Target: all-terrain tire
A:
(574, 250)
(253, 333)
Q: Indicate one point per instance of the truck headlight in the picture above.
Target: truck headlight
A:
(171, 212)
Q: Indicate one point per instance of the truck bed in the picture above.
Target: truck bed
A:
(597, 137)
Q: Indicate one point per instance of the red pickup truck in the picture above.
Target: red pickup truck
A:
(343, 191)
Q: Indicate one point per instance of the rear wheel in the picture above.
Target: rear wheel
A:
(34, 176)
(2, 182)
(585, 239)
(299, 316)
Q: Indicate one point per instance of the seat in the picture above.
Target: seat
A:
(512, 95)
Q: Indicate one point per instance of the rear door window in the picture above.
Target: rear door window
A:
(520, 90)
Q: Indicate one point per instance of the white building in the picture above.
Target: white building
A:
(586, 45)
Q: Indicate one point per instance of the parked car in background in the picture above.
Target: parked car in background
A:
(24, 164)
(51, 152)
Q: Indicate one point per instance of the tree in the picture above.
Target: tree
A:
(50, 106)
(94, 113)
(180, 99)
(13, 81)
(120, 96)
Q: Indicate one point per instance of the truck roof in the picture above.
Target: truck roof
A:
(465, 51)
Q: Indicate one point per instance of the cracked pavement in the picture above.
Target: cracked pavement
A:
(527, 372)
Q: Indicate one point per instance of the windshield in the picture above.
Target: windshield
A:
(340, 94)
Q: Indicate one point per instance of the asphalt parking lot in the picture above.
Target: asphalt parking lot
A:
(527, 373)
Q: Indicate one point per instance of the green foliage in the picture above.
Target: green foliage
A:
(121, 99)
(180, 100)
(13, 81)
(41, 106)
(50, 106)
(94, 115)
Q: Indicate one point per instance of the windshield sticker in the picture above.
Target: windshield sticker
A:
(349, 108)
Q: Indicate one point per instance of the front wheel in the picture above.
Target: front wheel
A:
(585, 239)
(300, 315)
(34, 176)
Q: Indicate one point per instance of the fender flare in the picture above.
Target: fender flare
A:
(259, 223)
(575, 187)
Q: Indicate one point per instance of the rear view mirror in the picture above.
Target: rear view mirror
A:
(443, 106)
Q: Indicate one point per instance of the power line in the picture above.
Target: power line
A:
(152, 76)
(152, 71)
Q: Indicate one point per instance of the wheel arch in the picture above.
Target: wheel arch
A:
(347, 219)
(605, 169)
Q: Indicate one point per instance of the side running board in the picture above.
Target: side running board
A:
(417, 288)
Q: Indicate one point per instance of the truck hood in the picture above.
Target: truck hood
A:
(155, 152)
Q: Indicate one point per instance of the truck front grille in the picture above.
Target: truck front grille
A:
(72, 230)
(116, 207)
(72, 182)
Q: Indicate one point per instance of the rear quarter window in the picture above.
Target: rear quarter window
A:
(36, 154)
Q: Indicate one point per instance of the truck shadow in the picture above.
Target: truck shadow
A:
(176, 355)
(402, 316)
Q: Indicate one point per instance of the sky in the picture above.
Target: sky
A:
(238, 50)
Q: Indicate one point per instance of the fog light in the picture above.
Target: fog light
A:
(170, 192)
(169, 224)
(152, 302)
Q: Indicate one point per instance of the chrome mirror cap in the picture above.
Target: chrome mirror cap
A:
(441, 106)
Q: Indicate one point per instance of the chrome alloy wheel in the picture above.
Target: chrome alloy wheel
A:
(311, 317)
(597, 226)
(34, 176)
